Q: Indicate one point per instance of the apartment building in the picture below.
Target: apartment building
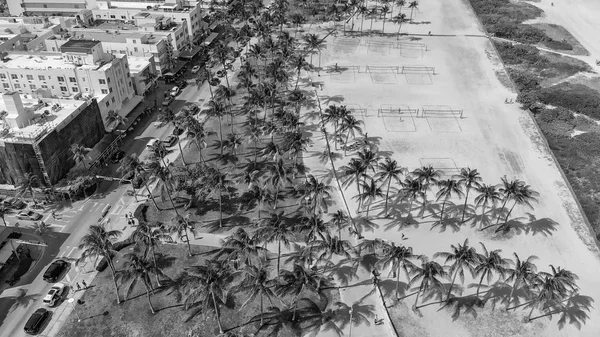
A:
(81, 68)
(36, 135)
(48, 7)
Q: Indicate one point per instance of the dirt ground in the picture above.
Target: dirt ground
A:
(496, 138)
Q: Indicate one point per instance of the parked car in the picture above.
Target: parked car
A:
(175, 91)
(36, 321)
(138, 182)
(29, 215)
(117, 156)
(182, 84)
(14, 203)
(55, 269)
(55, 294)
(177, 131)
(152, 142)
(170, 140)
(195, 69)
(168, 100)
(191, 108)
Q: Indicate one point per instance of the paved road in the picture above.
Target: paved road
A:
(74, 220)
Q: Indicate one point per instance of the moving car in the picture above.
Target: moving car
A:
(36, 321)
(168, 100)
(175, 91)
(14, 203)
(170, 140)
(55, 294)
(117, 156)
(195, 69)
(152, 142)
(29, 215)
(55, 270)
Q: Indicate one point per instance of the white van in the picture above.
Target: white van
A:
(152, 142)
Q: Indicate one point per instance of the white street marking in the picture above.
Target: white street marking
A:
(117, 210)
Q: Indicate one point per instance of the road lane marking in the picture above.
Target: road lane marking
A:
(117, 210)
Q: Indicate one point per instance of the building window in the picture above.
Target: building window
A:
(135, 49)
(5, 85)
(44, 86)
(32, 86)
(104, 91)
(60, 78)
(112, 16)
(110, 90)
(102, 81)
(63, 88)
(98, 16)
(17, 86)
(2, 76)
(75, 89)
(123, 17)
(113, 51)
(41, 77)
(107, 104)
(72, 79)
(53, 49)
(87, 89)
(108, 79)
(14, 76)
(122, 52)
(129, 83)
(134, 41)
(113, 99)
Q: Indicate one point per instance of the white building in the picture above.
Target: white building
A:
(48, 7)
(81, 68)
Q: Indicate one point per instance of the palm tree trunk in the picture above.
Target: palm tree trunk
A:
(442, 213)
(220, 135)
(155, 264)
(510, 295)
(383, 28)
(509, 212)
(368, 207)
(480, 282)
(398, 282)
(465, 205)
(148, 297)
(262, 311)
(181, 152)
(482, 216)
(387, 193)
(418, 293)
(278, 255)
(114, 277)
(187, 240)
(530, 312)
(220, 207)
(452, 284)
(149, 194)
(362, 19)
(501, 208)
(410, 206)
(217, 312)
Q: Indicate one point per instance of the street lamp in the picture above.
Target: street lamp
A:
(350, 332)
(72, 301)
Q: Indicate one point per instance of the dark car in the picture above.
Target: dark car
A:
(192, 108)
(55, 270)
(117, 156)
(14, 203)
(36, 321)
(177, 131)
(168, 100)
(182, 84)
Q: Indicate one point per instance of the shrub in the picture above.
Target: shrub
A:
(520, 54)
(528, 99)
(576, 97)
(558, 45)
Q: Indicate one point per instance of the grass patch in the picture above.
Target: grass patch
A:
(567, 42)
(576, 97)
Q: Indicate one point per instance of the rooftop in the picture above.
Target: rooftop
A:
(79, 46)
(49, 113)
(41, 62)
(137, 64)
(120, 37)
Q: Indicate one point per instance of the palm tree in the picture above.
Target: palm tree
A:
(180, 226)
(428, 176)
(554, 287)
(133, 164)
(339, 219)
(204, 286)
(448, 187)
(216, 109)
(332, 245)
(298, 281)
(469, 178)
(312, 226)
(462, 257)
(220, 183)
(524, 196)
(148, 237)
(400, 19)
(413, 189)
(22, 299)
(298, 63)
(353, 173)
(428, 275)
(490, 262)
(3, 212)
(114, 117)
(138, 268)
(27, 184)
(256, 283)
(274, 229)
(397, 258)
(508, 189)
(98, 242)
(384, 10)
(487, 194)
(314, 42)
(413, 5)
(277, 177)
(370, 192)
(523, 272)
(242, 247)
(389, 171)
(350, 126)
(79, 154)
(317, 194)
(362, 10)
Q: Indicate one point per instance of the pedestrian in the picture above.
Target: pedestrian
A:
(53, 215)
(84, 284)
(376, 318)
(78, 286)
